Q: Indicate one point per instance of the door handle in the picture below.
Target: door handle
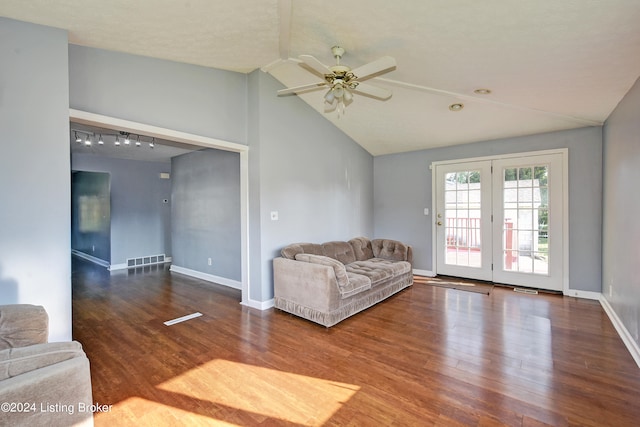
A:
(439, 223)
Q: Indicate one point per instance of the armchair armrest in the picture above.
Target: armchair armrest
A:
(22, 325)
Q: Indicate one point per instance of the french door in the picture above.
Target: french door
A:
(502, 220)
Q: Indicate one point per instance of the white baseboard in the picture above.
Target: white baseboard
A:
(577, 293)
(628, 340)
(260, 305)
(208, 277)
(90, 258)
(426, 273)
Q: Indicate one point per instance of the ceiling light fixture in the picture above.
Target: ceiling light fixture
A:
(482, 91)
(86, 138)
(456, 107)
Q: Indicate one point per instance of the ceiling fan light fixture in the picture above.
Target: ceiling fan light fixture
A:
(347, 96)
(342, 81)
(329, 97)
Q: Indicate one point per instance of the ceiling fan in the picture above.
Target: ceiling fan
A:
(342, 81)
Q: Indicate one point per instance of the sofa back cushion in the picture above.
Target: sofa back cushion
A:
(389, 249)
(362, 248)
(294, 249)
(342, 251)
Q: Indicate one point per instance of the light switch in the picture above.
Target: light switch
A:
(274, 215)
(426, 211)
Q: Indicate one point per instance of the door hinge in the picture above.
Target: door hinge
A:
(491, 267)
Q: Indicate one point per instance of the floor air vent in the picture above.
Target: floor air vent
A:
(526, 291)
(145, 260)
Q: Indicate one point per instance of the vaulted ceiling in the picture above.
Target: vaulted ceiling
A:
(549, 64)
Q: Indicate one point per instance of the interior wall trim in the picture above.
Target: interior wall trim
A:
(624, 333)
(90, 258)
(206, 276)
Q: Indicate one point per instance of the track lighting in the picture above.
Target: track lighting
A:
(87, 138)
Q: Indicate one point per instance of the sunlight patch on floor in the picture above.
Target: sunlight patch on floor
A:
(261, 393)
(137, 411)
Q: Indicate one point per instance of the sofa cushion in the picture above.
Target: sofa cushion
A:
(357, 284)
(389, 249)
(378, 269)
(17, 361)
(342, 251)
(361, 248)
(292, 250)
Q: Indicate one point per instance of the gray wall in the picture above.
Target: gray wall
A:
(140, 220)
(176, 96)
(318, 179)
(205, 206)
(91, 214)
(402, 189)
(621, 228)
(35, 200)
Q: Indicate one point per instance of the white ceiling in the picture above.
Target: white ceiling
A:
(550, 64)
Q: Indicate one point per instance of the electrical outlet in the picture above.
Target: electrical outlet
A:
(610, 291)
(209, 261)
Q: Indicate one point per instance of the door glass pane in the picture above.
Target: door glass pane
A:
(525, 237)
(462, 218)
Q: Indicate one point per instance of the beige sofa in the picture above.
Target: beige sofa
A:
(328, 282)
(41, 383)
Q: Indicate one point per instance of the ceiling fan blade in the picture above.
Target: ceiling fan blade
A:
(302, 88)
(373, 91)
(315, 65)
(377, 67)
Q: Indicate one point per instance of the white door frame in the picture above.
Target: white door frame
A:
(565, 201)
(92, 119)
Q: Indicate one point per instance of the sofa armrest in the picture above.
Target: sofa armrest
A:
(392, 250)
(22, 325)
(305, 283)
(66, 384)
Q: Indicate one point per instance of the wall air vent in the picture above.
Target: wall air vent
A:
(145, 260)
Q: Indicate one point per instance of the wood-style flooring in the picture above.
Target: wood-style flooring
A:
(426, 356)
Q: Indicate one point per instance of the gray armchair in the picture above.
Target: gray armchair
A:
(41, 383)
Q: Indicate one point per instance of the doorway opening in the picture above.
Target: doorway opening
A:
(199, 142)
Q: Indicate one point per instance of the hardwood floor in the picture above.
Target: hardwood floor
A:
(426, 356)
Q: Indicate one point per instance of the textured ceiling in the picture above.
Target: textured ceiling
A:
(550, 64)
